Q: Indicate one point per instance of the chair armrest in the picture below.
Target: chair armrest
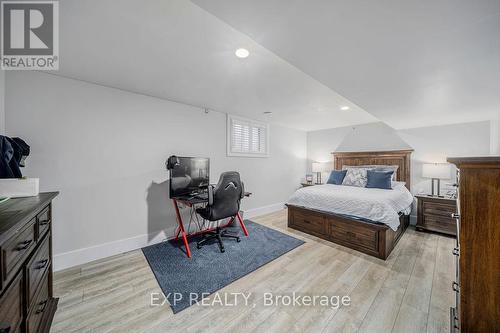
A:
(242, 195)
(210, 195)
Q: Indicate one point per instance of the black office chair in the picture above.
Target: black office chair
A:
(223, 202)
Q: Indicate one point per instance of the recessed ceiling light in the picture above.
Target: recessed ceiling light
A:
(344, 108)
(268, 112)
(242, 53)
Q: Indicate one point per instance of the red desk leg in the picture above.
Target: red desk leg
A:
(242, 224)
(181, 229)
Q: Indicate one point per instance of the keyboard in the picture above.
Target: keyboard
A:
(202, 196)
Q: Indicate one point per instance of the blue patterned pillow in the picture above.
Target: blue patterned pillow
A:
(393, 168)
(336, 177)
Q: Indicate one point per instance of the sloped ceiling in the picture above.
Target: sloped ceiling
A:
(408, 63)
(175, 50)
(387, 139)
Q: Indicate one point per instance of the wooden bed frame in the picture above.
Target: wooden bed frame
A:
(374, 239)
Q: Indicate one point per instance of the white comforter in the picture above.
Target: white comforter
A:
(367, 203)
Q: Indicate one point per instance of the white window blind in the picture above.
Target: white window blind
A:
(247, 137)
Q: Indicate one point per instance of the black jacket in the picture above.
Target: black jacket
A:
(12, 154)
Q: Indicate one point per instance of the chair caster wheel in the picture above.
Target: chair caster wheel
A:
(238, 240)
(222, 250)
(198, 246)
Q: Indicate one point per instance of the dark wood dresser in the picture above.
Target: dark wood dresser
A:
(477, 283)
(434, 214)
(26, 302)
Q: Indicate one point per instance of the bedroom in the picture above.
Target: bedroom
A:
(287, 95)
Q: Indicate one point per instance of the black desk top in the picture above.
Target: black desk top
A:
(16, 211)
(190, 200)
(194, 200)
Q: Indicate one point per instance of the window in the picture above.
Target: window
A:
(247, 137)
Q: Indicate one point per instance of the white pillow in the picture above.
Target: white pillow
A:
(396, 184)
(356, 177)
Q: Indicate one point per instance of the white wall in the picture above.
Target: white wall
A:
(104, 150)
(321, 144)
(430, 144)
(495, 136)
(2, 102)
(365, 137)
(435, 144)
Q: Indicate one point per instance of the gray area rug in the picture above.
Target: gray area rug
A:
(210, 270)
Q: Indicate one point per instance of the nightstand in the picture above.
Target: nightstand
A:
(309, 184)
(434, 214)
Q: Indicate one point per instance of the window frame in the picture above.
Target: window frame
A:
(250, 122)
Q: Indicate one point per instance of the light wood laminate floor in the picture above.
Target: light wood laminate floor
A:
(409, 292)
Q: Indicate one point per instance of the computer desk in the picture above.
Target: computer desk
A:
(192, 202)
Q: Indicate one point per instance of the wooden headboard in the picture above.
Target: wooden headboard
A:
(400, 158)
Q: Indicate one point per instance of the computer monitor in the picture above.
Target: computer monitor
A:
(189, 176)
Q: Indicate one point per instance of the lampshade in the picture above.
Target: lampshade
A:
(317, 167)
(436, 170)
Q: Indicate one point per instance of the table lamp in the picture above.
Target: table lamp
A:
(317, 168)
(436, 171)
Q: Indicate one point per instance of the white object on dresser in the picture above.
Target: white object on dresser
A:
(19, 187)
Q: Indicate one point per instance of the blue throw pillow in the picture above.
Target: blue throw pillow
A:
(336, 177)
(379, 179)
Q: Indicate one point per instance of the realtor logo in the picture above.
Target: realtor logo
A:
(30, 35)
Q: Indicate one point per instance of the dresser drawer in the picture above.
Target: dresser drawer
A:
(17, 249)
(442, 210)
(439, 224)
(11, 306)
(36, 268)
(347, 232)
(43, 220)
(37, 310)
(310, 223)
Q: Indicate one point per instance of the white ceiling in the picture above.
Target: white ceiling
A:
(176, 50)
(409, 63)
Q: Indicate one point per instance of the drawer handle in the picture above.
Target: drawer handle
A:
(42, 263)
(306, 221)
(455, 287)
(455, 216)
(24, 245)
(455, 321)
(456, 251)
(351, 234)
(44, 305)
(5, 330)
(44, 222)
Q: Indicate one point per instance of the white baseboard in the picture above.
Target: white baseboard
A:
(250, 213)
(88, 254)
